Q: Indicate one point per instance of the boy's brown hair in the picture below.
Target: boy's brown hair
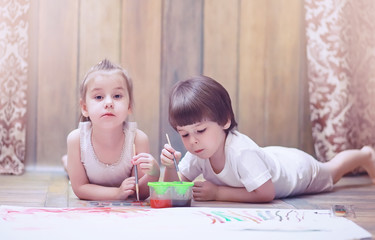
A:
(200, 98)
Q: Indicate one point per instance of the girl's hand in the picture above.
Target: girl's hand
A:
(204, 191)
(147, 164)
(166, 156)
(127, 188)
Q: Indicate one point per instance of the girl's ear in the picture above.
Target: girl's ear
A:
(227, 125)
(130, 110)
(84, 111)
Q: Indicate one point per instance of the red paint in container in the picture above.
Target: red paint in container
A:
(160, 203)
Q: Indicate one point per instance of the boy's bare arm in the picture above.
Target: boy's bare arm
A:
(206, 191)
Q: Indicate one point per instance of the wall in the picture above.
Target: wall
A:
(256, 49)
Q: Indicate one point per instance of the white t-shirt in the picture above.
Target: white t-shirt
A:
(247, 165)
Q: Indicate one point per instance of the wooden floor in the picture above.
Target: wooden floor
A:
(52, 189)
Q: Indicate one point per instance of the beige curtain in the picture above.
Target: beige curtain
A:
(341, 71)
(13, 84)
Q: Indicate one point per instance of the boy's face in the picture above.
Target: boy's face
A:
(203, 139)
(107, 99)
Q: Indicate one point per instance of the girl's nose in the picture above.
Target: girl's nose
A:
(108, 102)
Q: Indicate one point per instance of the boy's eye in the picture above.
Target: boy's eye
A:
(184, 135)
(202, 130)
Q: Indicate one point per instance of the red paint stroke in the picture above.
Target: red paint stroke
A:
(106, 210)
(212, 217)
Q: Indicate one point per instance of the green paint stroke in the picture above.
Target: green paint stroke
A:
(227, 217)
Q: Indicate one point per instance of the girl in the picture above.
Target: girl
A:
(236, 168)
(100, 152)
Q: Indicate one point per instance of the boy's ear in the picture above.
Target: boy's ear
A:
(84, 111)
(227, 125)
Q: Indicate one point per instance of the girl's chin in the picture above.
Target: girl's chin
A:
(202, 155)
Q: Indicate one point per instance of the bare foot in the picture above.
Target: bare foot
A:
(369, 166)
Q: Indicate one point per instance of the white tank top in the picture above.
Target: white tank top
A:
(110, 175)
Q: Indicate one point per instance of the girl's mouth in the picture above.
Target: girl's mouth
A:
(108, 115)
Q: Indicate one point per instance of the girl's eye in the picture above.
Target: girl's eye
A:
(98, 97)
(117, 96)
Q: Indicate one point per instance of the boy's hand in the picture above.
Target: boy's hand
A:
(204, 191)
(166, 156)
(147, 164)
(127, 188)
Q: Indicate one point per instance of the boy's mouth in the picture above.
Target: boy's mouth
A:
(198, 151)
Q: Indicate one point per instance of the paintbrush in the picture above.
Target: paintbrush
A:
(174, 159)
(136, 176)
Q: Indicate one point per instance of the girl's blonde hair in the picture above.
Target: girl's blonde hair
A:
(106, 66)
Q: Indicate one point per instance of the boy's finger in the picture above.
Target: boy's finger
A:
(168, 155)
(198, 184)
(169, 148)
(177, 155)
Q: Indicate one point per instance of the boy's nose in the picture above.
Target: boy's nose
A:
(193, 140)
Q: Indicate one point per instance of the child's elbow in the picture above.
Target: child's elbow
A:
(79, 193)
(266, 193)
(269, 197)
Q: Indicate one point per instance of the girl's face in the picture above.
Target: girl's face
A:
(107, 99)
(204, 139)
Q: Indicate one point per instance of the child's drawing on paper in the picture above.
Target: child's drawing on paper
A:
(95, 223)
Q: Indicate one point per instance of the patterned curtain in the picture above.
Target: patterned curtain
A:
(341, 74)
(13, 84)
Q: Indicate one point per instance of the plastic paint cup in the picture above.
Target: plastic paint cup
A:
(182, 194)
(170, 194)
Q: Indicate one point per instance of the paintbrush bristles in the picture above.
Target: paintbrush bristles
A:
(137, 191)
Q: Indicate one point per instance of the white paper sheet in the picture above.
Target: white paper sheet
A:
(174, 223)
